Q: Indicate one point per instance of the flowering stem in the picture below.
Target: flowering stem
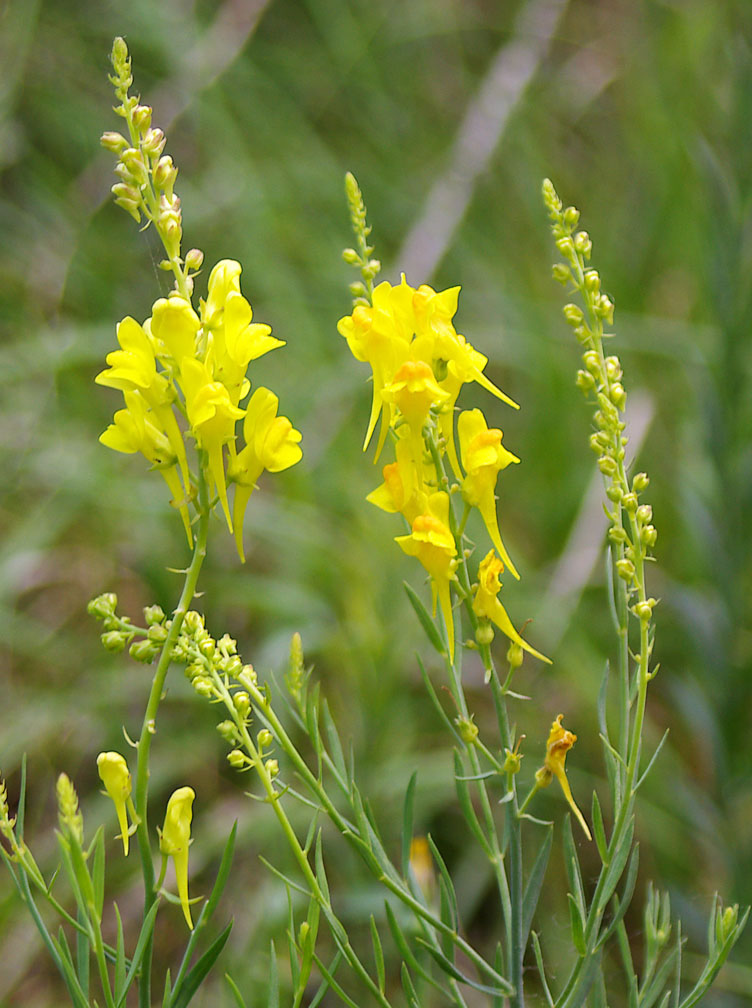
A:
(148, 727)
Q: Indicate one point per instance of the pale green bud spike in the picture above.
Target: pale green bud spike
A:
(69, 815)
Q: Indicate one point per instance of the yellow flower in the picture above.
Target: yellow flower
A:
(212, 417)
(224, 279)
(483, 457)
(414, 390)
(486, 602)
(272, 443)
(175, 327)
(432, 542)
(133, 430)
(114, 774)
(381, 336)
(560, 741)
(403, 489)
(175, 838)
(235, 343)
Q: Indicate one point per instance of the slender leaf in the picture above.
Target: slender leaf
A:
(541, 970)
(324, 985)
(235, 991)
(97, 873)
(453, 919)
(534, 884)
(405, 951)
(223, 873)
(572, 865)
(185, 989)
(119, 954)
(82, 955)
(283, 877)
(146, 930)
(426, 622)
(167, 989)
(616, 867)
(407, 823)
(451, 970)
(653, 758)
(329, 977)
(273, 999)
(466, 804)
(68, 971)
(335, 746)
(409, 987)
(437, 703)
(577, 925)
(599, 831)
(626, 897)
(378, 955)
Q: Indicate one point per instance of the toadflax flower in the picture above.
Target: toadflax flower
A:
(486, 602)
(114, 774)
(560, 741)
(175, 839)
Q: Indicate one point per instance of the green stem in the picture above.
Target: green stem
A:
(148, 729)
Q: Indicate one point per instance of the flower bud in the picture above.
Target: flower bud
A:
(264, 738)
(607, 465)
(247, 677)
(143, 651)
(242, 703)
(550, 198)
(153, 142)
(592, 281)
(142, 118)
(614, 493)
(114, 640)
(192, 623)
(69, 815)
(613, 368)
(484, 633)
(113, 142)
(228, 731)
(648, 536)
(584, 381)
(616, 534)
(203, 686)
(351, 257)
(644, 514)
(467, 728)
(565, 245)
(640, 482)
(237, 759)
(571, 216)
(514, 655)
(629, 501)
(194, 259)
(582, 244)
(592, 361)
(103, 605)
(726, 922)
(618, 395)
(573, 314)
(625, 569)
(272, 767)
(165, 174)
(644, 610)
(157, 634)
(561, 273)
(605, 308)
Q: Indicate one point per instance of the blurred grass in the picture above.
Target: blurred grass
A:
(640, 113)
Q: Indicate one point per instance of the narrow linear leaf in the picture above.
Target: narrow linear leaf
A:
(534, 883)
(657, 985)
(616, 867)
(572, 865)
(119, 953)
(541, 970)
(405, 951)
(273, 999)
(324, 985)
(599, 831)
(378, 955)
(677, 974)
(167, 989)
(437, 703)
(282, 876)
(329, 977)
(451, 970)
(184, 992)
(320, 872)
(407, 823)
(626, 897)
(426, 622)
(454, 918)
(223, 873)
(146, 929)
(97, 873)
(82, 955)
(576, 925)
(408, 987)
(335, 746)
(235, 992)
(653, 758)
(68, 971)
(466, 804)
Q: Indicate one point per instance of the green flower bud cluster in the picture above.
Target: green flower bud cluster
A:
(71, 820)
(361, 256)
(119, 632)
(632, 533)
(146, 175)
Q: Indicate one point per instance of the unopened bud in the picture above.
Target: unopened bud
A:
(237, 759)
(467, 728)
(264, 738)
(153, 142)
(625, 569)
(103, 605)
(514, 655)
(561, 273)
(114, 641)
(228, 731)
(194, 259)
(242, 703)
(629, 501)
(144, 651)
(573, 314)
(640, 482)
(113, 142)
(142, 118)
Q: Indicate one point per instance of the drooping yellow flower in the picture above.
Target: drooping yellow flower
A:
(380, 335)
(414, 391)
(133, 369)
(432, 542)
(114, 774)
(403, 489)
(560, 741)
(134, 430)
(175, 838)
(212, 417)
(483, 457)
(486, 602)
(272, 443)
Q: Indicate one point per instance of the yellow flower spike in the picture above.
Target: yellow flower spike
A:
(432, 542)
(133, 431)
(486, 603)
(223, 279)
(175, 326)
(483, 457)
(272, 443)
(212, 417)
(114, 774)
(560, 741)
(175, 838)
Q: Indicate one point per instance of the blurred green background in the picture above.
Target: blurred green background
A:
(450, 112)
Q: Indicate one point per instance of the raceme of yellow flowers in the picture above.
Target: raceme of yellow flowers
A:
(183, 374)
(420, 363)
